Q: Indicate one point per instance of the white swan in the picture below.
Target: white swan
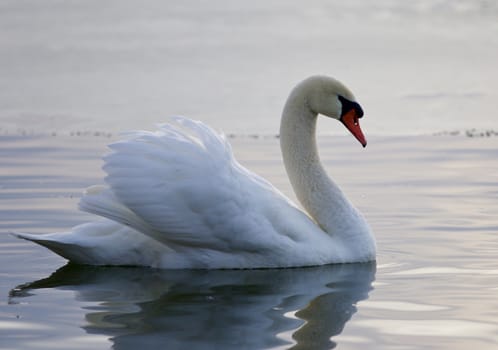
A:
(176, 198)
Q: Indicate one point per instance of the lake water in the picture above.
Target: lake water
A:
(431, 201)
(74, 73)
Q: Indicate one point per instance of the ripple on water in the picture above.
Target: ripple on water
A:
(453, 328)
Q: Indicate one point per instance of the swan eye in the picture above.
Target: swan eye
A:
(348, 105)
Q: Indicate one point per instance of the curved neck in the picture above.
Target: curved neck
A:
(318, 194)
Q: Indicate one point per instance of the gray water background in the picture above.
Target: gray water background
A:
(416, 67)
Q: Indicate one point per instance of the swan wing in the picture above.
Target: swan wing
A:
(182, 186)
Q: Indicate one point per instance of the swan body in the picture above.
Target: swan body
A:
(177, 198)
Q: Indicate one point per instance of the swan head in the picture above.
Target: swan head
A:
(331, 98)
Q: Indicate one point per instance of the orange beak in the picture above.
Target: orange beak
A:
(351, 122)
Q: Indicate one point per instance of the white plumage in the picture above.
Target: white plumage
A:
(177, 198)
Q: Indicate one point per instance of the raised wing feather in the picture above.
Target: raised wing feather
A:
(184, 183)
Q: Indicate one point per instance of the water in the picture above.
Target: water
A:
(74, 73)
(418, 67)
(429, 199)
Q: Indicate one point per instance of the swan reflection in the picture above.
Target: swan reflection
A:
(224, 309)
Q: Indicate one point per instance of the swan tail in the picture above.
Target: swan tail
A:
(58, 243)
(102, 242)
(116, 241)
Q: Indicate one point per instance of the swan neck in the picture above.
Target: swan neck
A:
(298, 135)
(318, 194)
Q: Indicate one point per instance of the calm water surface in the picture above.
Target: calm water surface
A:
(430, 200)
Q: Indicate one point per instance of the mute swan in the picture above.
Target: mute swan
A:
(176, 198)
